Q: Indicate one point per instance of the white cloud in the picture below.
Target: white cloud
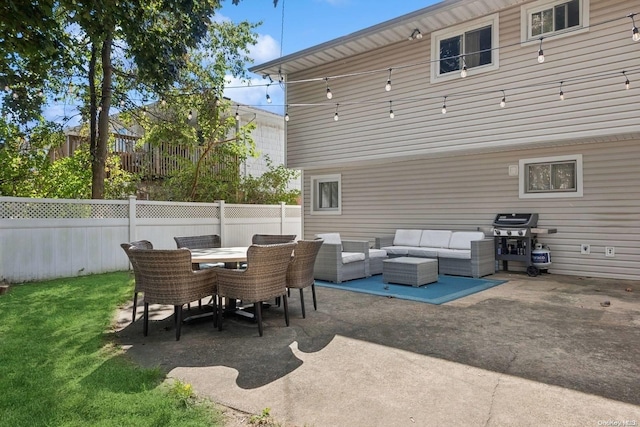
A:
(265, 50)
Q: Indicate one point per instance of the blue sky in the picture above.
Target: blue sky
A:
(306, 23)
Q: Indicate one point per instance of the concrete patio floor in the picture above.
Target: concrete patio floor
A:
(533, 351)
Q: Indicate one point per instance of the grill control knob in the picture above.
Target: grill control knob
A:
(520, 232)
(508, 232)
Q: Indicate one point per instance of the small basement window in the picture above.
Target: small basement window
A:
(326, 193)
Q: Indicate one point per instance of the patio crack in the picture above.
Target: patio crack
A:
(514, 355)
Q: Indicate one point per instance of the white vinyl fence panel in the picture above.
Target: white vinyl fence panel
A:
(48, 238)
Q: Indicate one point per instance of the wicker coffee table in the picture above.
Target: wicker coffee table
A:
(410, 271)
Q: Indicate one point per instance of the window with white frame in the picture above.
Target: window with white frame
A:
(544, 177)
(544, 18)
(326, 193)
(472, 45)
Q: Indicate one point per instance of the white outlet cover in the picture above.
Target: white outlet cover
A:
(609, 251)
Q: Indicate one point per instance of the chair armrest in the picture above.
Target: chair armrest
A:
(482, 247)
(383, 241)
(356, 246)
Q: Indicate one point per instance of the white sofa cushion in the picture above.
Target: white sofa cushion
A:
(435, 238)
(330, 238)
(424, 252)
(454, 253)
(348, 257)
(407, 238)
(462, 239)
(377, 253)
(397, 250)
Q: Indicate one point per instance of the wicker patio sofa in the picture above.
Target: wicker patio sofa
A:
(459, 253)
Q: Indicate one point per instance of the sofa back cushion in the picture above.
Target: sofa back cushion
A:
(435, 238)
(462, 239)
(330, 238)
(407, 237)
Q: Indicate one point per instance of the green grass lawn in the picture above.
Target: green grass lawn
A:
(58, 366)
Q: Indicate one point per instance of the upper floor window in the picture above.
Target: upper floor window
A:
(559, 176)
(544, 17)
(473, 45)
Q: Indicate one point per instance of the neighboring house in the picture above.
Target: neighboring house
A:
(575, 162)
(155, 163)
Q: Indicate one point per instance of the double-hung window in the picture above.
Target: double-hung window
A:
(473, 45)
(544, 18)
(326, 195)
(559, 176)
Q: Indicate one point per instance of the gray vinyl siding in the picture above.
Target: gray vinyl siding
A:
(466, 192)
(595, 107)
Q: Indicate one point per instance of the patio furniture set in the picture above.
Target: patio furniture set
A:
(193, 272)
(409, 257)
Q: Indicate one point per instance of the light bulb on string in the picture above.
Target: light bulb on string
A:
(627, 84)
(163, 102)
(561, 92)
(268, 97)
(336, 117)
(635, 35)
(7, 88)
(503, 102)
(387, 87)
(99, 108)
(15, 95)
(444, 105)
(329, 94)
(540, 53)
(286, 114)
(122, 103)
(190, 115)
(391, 115)
(463, 73)
(237, 114)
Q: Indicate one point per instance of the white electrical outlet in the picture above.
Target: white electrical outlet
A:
(585, 249)
(610, 251)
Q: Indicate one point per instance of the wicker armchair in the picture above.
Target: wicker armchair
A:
(167, 278)
(272, 239)
(300, 271)
(200, 242)
(264, 278)
(340, 260)
(140, 244)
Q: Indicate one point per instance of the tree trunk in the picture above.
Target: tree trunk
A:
(92, 106)
(102, 141)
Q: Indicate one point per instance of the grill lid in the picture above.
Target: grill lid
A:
(529, 220)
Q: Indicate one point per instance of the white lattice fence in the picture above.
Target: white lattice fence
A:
(49, 238)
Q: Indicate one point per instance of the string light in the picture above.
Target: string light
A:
(503, 102)
(237, 114)
(391, 115)
(540, 53)
(635, 35)
(286, 114)
(7, 88)
(626, 83)
(329, 94)
(335, 116)
(444, 105)
(163, 102)
(268, 97)
(388, 85)
(15, 95)
(561, 92)
(463, 73)
(122, 103)
(190, 115)
(416, 34)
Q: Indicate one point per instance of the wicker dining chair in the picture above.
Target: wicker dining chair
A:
(264, 278)
(199, 242)
(168, 278)
(272, 239)
(300, 271)
(140, 244)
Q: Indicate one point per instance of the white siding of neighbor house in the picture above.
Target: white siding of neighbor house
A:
(597, 106)
(466, 192)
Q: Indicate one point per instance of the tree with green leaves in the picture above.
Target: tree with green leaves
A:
(106, 50)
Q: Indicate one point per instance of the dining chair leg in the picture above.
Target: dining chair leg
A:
(286, 309)
(135, 306)
(302, 304)
(220, 310)
(258, 313)
(313, 293)
(215, 311)
(145, 324)
(177, 309)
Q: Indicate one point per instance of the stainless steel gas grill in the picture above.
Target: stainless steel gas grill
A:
(515, 235)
